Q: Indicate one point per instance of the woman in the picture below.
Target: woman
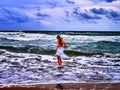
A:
(60, 48)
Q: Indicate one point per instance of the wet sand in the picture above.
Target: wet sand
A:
(66, 86)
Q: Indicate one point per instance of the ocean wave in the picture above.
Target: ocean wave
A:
(45, 42)
(107, 46)
(110, 42)
(24, 49)
(38, 50)
(22, 36)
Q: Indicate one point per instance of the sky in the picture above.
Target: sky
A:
(60, 15)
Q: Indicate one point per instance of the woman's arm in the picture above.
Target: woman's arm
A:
(64, 44)
(58, 45)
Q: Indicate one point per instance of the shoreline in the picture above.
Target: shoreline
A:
(66, 86)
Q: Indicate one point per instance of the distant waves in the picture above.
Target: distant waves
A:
(45, 42)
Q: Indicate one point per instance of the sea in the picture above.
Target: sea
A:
(30, 57)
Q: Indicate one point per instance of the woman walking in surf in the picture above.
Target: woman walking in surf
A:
(60, 49)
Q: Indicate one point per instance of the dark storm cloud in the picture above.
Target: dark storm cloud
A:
(113, 15)
(12, 15)
(109, 1)
(42, 16)
(71, 2)
(85, 16)
(110, 14)
(53, 4)
(99, 11)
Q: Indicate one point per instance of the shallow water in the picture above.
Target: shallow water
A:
(26, 68)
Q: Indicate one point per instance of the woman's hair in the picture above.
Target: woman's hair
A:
(60, 39)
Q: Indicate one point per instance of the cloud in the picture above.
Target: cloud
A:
(99, 11)
(113, 15)
(14, 19)
(42, 16)
(84, 15)
(110, 14)
(11, 15)
(109, 1)
(87, 16)
(70, 2)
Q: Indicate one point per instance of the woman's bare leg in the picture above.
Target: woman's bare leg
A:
(59, 60)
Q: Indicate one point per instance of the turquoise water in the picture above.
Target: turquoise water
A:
(45, 42)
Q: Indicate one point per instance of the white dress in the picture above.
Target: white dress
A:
(60, 52)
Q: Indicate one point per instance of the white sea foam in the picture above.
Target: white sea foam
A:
(16, 68)
(74, 38)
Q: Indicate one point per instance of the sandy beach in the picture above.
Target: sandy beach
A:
(66, 86)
